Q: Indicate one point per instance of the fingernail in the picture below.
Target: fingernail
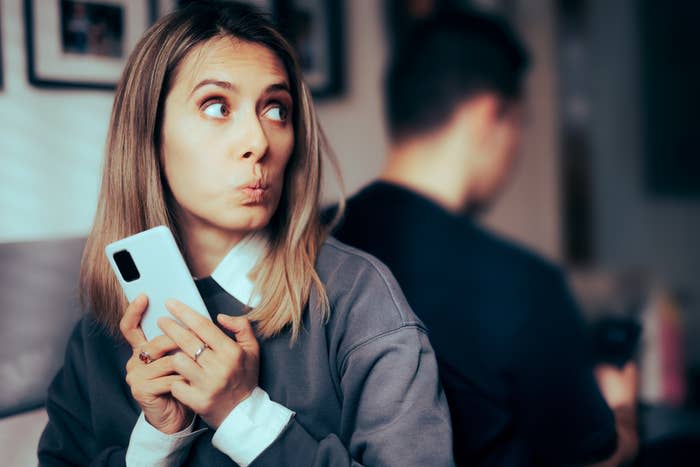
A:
(170, 304)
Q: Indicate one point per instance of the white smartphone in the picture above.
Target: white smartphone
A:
(150, 262)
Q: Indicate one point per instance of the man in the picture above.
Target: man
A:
(504, 326)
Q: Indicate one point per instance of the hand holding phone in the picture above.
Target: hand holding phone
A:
(150, 262)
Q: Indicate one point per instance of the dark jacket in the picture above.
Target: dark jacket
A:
(505, 329)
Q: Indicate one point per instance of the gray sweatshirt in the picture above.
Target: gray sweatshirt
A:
(364, 385)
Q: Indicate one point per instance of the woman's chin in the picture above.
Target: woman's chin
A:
(250, 220)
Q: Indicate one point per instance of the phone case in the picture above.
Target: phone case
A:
(163, 274)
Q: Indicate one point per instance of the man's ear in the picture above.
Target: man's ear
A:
(487, 107)
(479, 115)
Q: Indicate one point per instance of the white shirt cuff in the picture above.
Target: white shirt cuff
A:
(150, 447)
(252, 426)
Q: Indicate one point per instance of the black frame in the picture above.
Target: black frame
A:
(333, 11)
(56, 82)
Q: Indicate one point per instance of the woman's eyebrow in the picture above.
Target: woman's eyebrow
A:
(215, 82)
(282, 86)
(278, 87)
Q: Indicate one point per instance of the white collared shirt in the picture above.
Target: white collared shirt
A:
(254, 423)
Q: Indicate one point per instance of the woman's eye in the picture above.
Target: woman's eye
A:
(216, 110)
(277, 113)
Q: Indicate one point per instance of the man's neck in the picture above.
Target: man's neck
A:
(431, 167)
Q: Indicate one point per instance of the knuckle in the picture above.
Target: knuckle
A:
(197, 407)
(207, 402)
(137, 393)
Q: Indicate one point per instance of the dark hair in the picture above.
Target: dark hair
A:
(443, 61)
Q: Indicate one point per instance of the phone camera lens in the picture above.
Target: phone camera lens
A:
(126, 265)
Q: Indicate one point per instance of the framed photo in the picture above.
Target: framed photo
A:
(82, 43)
(315, 29)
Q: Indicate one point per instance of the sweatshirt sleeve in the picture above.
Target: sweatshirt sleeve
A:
(68, 438)
(393, 409)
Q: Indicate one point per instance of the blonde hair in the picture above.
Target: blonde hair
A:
(134, 195)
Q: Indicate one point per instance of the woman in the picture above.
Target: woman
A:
(213, 134)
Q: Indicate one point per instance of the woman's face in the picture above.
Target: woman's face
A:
(227, 136)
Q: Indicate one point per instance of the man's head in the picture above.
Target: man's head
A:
(460, 68)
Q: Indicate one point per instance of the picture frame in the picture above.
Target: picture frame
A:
(315, 29)
(82, 44)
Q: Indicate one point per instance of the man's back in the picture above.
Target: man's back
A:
(504, 327)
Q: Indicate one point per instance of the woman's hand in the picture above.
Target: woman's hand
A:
(151, 382)
(222, 375)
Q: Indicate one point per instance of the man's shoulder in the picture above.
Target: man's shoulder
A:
(509, 255)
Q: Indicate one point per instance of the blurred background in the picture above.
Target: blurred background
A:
(608, 183)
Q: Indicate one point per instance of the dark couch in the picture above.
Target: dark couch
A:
(38, 309)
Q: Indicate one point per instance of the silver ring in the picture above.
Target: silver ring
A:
(199, 351)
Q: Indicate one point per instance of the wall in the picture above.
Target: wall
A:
(631, 227)
(51, 141)
(529, 210)
(50, 147)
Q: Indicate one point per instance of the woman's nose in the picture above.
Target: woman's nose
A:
(254, 142)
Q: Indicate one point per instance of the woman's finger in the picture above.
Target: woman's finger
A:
(144, 391)
(130, 322)
(198, 324)
(186, 367)
(161, 385)
(242, 329)
(158, 347)
(151, 351)
(184, 338)
(139, 372)
(187, 395)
